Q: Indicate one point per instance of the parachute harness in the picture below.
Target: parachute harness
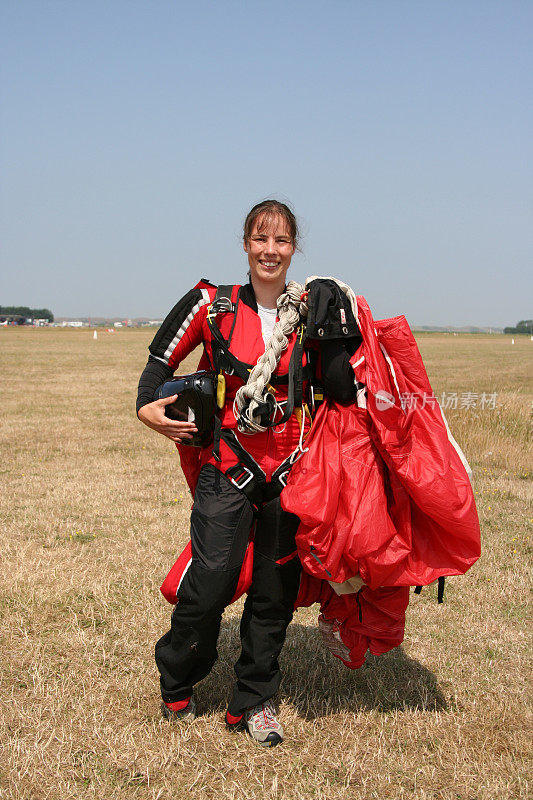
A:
(257, 392)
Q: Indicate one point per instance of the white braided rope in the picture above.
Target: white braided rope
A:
(291, 308)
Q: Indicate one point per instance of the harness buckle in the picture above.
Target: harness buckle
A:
(222, 304)
(224, 364)
(242, 478)
(283, 477)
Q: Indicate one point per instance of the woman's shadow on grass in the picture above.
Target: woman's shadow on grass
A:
(317, 684)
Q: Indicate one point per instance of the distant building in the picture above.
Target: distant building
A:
(12, 319)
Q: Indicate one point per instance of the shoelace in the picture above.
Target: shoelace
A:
(266, 711)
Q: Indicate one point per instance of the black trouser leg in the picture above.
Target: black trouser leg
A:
(268, 608)
(220, 526)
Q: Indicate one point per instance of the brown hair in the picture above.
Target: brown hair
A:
(268, 209)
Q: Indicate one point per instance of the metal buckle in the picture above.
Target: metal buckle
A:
(283, 477)
(221, 305)
(225, 365)
(246, 473)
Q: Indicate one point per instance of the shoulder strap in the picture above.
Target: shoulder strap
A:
(223, 357)
(223, 301)
(296, 376)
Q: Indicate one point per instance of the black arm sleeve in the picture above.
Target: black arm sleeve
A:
(337, 372)
(153, 375)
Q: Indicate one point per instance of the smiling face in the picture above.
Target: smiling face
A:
(270, 248)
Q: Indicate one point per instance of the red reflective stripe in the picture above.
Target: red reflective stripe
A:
(179, 705)
(287, 558)
(233, 720)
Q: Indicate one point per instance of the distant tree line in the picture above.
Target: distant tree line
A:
(27, 313)
(524, 326)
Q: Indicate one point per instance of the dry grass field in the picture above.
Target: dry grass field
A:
(93, 511)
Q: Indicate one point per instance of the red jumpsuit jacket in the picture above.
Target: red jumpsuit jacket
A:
(185, 328)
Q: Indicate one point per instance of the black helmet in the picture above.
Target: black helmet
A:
(196, 402)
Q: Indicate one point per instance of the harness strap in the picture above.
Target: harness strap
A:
(224, 360)
(358, 601)
(217, 428)
(223, 302)
(440, 589)
(247, 476)
(298, 366)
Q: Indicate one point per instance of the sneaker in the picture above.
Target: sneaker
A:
(263, 726)
(178, 712)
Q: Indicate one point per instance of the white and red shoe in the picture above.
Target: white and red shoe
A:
(263, 726)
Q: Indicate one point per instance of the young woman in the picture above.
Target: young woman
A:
(231, 489)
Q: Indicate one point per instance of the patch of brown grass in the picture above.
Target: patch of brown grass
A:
(92, 513)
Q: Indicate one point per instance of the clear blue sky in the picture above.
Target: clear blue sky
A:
(136, 135)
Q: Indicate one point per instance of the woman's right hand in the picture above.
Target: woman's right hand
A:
(153, 415)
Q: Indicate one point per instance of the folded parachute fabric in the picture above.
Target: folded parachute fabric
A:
(383, 492)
